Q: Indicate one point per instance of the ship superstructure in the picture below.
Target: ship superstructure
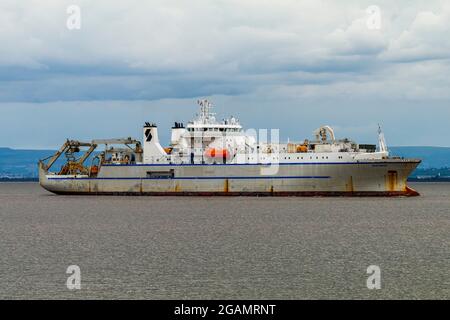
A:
(211, 157)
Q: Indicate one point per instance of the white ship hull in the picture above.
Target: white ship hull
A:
(364, 178)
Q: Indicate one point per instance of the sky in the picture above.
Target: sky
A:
(292, 65)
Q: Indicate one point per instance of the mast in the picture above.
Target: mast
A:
(381, 140)
(205, 116)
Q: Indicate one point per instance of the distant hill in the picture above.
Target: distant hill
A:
(20, 163)
(432, 157)
(23, 163)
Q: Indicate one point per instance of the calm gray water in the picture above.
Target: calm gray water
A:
(223, 248)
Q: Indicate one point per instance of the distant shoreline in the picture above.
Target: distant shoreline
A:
(19, 180)
(429, 180)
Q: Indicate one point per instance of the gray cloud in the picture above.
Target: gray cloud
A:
(258, 53)
(165, 49)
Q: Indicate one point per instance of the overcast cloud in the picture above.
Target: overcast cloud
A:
(287, 64)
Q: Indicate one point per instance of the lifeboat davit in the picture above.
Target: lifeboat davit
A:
(217, 153)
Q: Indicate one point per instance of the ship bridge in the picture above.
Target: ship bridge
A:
(206, 138)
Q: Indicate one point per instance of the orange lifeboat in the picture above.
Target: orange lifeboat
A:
(217, 153)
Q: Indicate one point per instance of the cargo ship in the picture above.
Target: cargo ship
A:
(211, 157)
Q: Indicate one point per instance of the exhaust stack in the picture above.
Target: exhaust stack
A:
(153, 151)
